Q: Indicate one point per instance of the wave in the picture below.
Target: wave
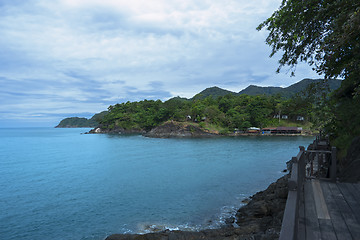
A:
(217, 221)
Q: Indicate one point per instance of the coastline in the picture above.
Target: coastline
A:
(184, 130)
(260, 218)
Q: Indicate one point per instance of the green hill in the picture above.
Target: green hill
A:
(76, 122)
(254, 90)
(288, 91)
(178, 108)
(212, 91)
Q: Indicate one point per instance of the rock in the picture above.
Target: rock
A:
(177, 129)
(117, 130)
(265, 210)
(350, 171)
(229, 221)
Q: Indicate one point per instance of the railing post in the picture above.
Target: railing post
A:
(301, 166)
(316, 142)
(333, 164)
(293, 180)
(289, 226)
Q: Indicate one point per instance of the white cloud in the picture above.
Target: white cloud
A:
(85, 52)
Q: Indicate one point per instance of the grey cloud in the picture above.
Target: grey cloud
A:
(58, 58)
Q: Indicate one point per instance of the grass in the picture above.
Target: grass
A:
(287, 123)
(212, 128)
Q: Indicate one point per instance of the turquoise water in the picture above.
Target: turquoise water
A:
(61, 184)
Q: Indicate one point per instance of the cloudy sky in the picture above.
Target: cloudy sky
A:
(64, 58)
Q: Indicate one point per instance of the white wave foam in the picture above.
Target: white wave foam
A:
(217, 221)
(144, 228)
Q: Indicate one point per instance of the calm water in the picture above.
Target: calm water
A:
(61, 184)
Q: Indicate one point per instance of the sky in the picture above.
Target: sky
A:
(64, 58)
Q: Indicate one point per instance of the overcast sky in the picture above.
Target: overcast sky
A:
(62, 58)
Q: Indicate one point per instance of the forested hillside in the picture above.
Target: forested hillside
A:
(221, 110)
(253, 90)
(76, 122)
(224, 113)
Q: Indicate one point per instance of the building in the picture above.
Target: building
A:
(300, 118)
(282, 130)
(267, 130)
(253, 130)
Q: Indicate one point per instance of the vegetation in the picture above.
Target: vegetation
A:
(326, 35)
(220, 111)
(222, 114)
(76, 122)
(213, 91)
(253, 90)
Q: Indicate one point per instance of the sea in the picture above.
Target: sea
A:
(58, 183)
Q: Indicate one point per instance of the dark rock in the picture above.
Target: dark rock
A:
(117, 130)
(350, 172)
(176, 129)
(229, 221)
(265, 210)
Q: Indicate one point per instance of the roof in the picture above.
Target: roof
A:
(288, 128)
(269, 128)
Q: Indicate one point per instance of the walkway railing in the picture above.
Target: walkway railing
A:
(315, 162)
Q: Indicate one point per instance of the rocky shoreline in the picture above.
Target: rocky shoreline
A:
(259, 219)
(173, 129)
(100, 130)
(166, 130)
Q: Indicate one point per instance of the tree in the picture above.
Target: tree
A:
(326, 35)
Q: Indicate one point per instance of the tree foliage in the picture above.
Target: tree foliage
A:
(227, 111)
(76, 122)
(326, 35)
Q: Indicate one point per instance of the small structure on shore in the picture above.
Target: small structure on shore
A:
(253, 130)
(267, 130)
(282, 130)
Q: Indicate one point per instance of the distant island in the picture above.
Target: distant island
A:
(77, 122)
(216, 111)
